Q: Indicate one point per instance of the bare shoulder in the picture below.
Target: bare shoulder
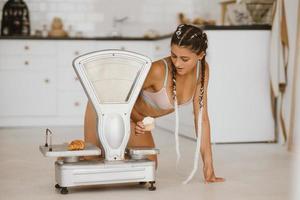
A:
(155, 75)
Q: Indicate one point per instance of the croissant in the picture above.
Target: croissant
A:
(76, 145)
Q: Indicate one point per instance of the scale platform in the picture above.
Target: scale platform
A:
(61, 150)
(138, 153)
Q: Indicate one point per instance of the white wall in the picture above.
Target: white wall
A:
(208, 9)
(95, 17)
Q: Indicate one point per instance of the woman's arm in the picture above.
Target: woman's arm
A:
(206, 151)
(153, 81)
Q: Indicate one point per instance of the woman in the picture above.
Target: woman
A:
(176, 80)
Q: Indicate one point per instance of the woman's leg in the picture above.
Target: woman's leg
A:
(90, 129)
(141, 140)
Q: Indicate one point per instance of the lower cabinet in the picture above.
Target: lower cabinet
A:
(25, 93)
(38, 84)
(71, 103)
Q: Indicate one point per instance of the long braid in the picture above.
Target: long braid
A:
(176, 114)
(201, 94)
(203, 64)
(174, 82)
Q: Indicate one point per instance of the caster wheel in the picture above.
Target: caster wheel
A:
(57, 186)
(64, 190)
(152, 187)
(142, 183)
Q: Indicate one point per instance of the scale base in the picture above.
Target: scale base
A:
(104, 172)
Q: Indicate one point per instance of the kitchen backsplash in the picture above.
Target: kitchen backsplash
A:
(96, 17)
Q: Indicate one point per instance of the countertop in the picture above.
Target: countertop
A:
(141, 38)
(239, 27)
(86, 38)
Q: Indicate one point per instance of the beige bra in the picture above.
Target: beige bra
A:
(160, 99)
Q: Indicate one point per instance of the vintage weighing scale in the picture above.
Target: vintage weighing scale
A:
(112, 80)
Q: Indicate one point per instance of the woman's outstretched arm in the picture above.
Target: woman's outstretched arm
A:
(205, 150)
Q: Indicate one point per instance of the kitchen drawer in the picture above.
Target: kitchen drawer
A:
(71, 103)
(161, 49)
(144, 48)
(27, 93)
(27, 62)
(68, 51)
(141, 47)
(17, 47)
(68, 80)
(102, 45)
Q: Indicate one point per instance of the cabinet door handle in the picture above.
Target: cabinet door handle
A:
(26, 62)
(76, 104)
(26, 47)
(157, 48)
(76, 53)
(47, 80)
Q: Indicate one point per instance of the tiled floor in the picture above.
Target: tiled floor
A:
(252, 171)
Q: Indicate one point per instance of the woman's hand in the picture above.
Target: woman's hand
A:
(139, 128)
(209, 175)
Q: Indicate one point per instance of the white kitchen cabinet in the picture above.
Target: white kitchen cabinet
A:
(27, 47)
(161, 49)
(22, 62)
(239, 102)
(26, 93)
(68, 80)
(155, 49)
(38, 84)
(27, 79)
(71, 103)
(141, 47)
(71, 98)
(68, 50)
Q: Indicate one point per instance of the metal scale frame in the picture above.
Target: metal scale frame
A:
(112, 80)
